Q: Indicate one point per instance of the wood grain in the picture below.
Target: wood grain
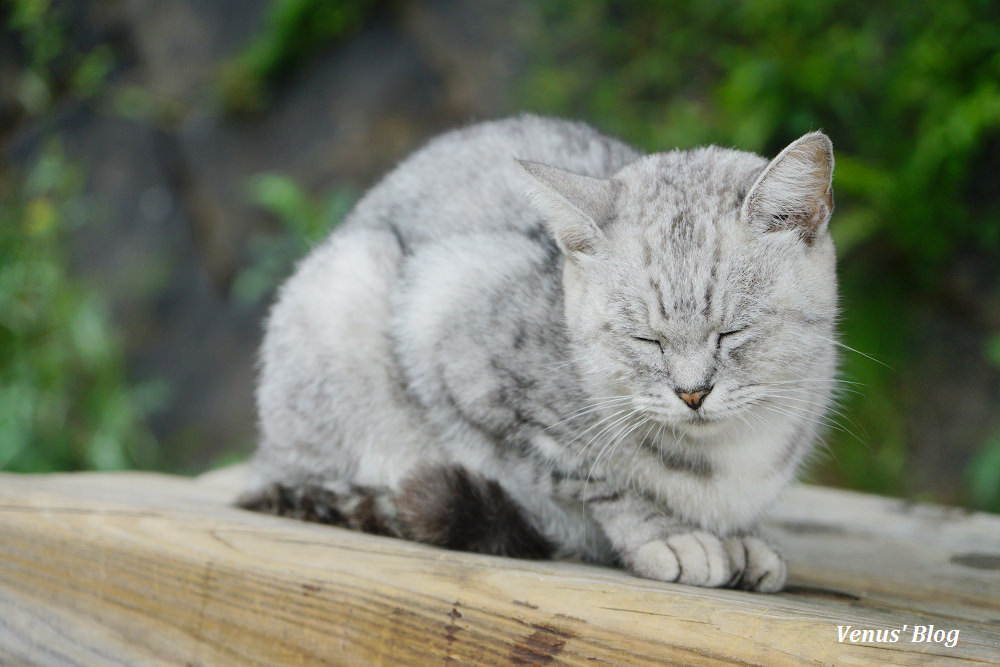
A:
(140, 569)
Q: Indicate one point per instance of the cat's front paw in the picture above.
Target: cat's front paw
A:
(703, 559)
(757, 566)
(698, 558)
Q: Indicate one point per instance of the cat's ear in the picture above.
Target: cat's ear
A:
(795, 191)
(574, 206)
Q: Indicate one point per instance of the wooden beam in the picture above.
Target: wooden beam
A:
(137, 568)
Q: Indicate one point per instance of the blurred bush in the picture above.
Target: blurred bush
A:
(65, 403)
(53, 64)
(294, 30)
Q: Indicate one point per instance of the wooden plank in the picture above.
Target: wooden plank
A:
(144, 569)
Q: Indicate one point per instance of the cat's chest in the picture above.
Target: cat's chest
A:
(737, 481)
(724, 491)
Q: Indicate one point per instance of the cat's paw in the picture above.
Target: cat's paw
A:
(756, 564)
(698, 558)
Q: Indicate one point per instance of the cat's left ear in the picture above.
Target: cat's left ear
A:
(575, 206)
(795, 191)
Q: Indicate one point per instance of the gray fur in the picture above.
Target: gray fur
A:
(482, 311)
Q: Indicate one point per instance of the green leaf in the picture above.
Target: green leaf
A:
(984, 476)
(283, 198)
(992, 351)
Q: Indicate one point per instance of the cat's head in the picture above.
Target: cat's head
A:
(700, 283)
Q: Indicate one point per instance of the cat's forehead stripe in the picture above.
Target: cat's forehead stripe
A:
(658, 296)
(713, 277)
(682, 276)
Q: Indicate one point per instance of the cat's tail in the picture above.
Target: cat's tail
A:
(359, 507)
(446, 506)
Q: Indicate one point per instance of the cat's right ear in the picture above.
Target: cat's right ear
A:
(574, 206)
(795, 191)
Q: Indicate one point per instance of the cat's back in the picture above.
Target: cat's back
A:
(467, 180)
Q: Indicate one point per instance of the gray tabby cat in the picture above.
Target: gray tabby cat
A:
(585, 352)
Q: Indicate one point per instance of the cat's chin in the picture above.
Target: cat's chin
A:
(701, 427)
(696, 427)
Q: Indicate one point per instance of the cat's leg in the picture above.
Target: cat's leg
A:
(652, 543)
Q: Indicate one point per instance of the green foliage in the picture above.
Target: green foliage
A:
(54, 66)
(868, 445)
(294, 30)
(302, 222)
(984, 477)
(64, 400)
(984, 470)
(909, 92)
(992, 351)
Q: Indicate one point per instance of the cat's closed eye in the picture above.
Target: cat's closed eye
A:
(726, 334)
(648, 340)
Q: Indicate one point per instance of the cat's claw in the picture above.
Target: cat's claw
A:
(703, 559)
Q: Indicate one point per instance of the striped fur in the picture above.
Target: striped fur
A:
(492, 352)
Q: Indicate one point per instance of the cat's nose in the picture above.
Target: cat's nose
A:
(694, 397)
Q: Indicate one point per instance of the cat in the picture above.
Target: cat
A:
(532, 340)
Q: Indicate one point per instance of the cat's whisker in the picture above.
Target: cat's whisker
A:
(638, 448)
(833, 380)
(793, 410)
(838, 387)
(596, 424)
(605, 447)
(794, 396)
(851, 349)
(760, 419)
(824, 408)
(818, 416)
(677, 436)
(804, 389)
(829, 402)
(656, 440)
(597, 407)
(623, 437)
(623, 431)
(608, 428)
(605, 422)
(742, 417)
(829, 450)
(613, 444)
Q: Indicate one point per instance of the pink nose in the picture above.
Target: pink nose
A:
(695, 397)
